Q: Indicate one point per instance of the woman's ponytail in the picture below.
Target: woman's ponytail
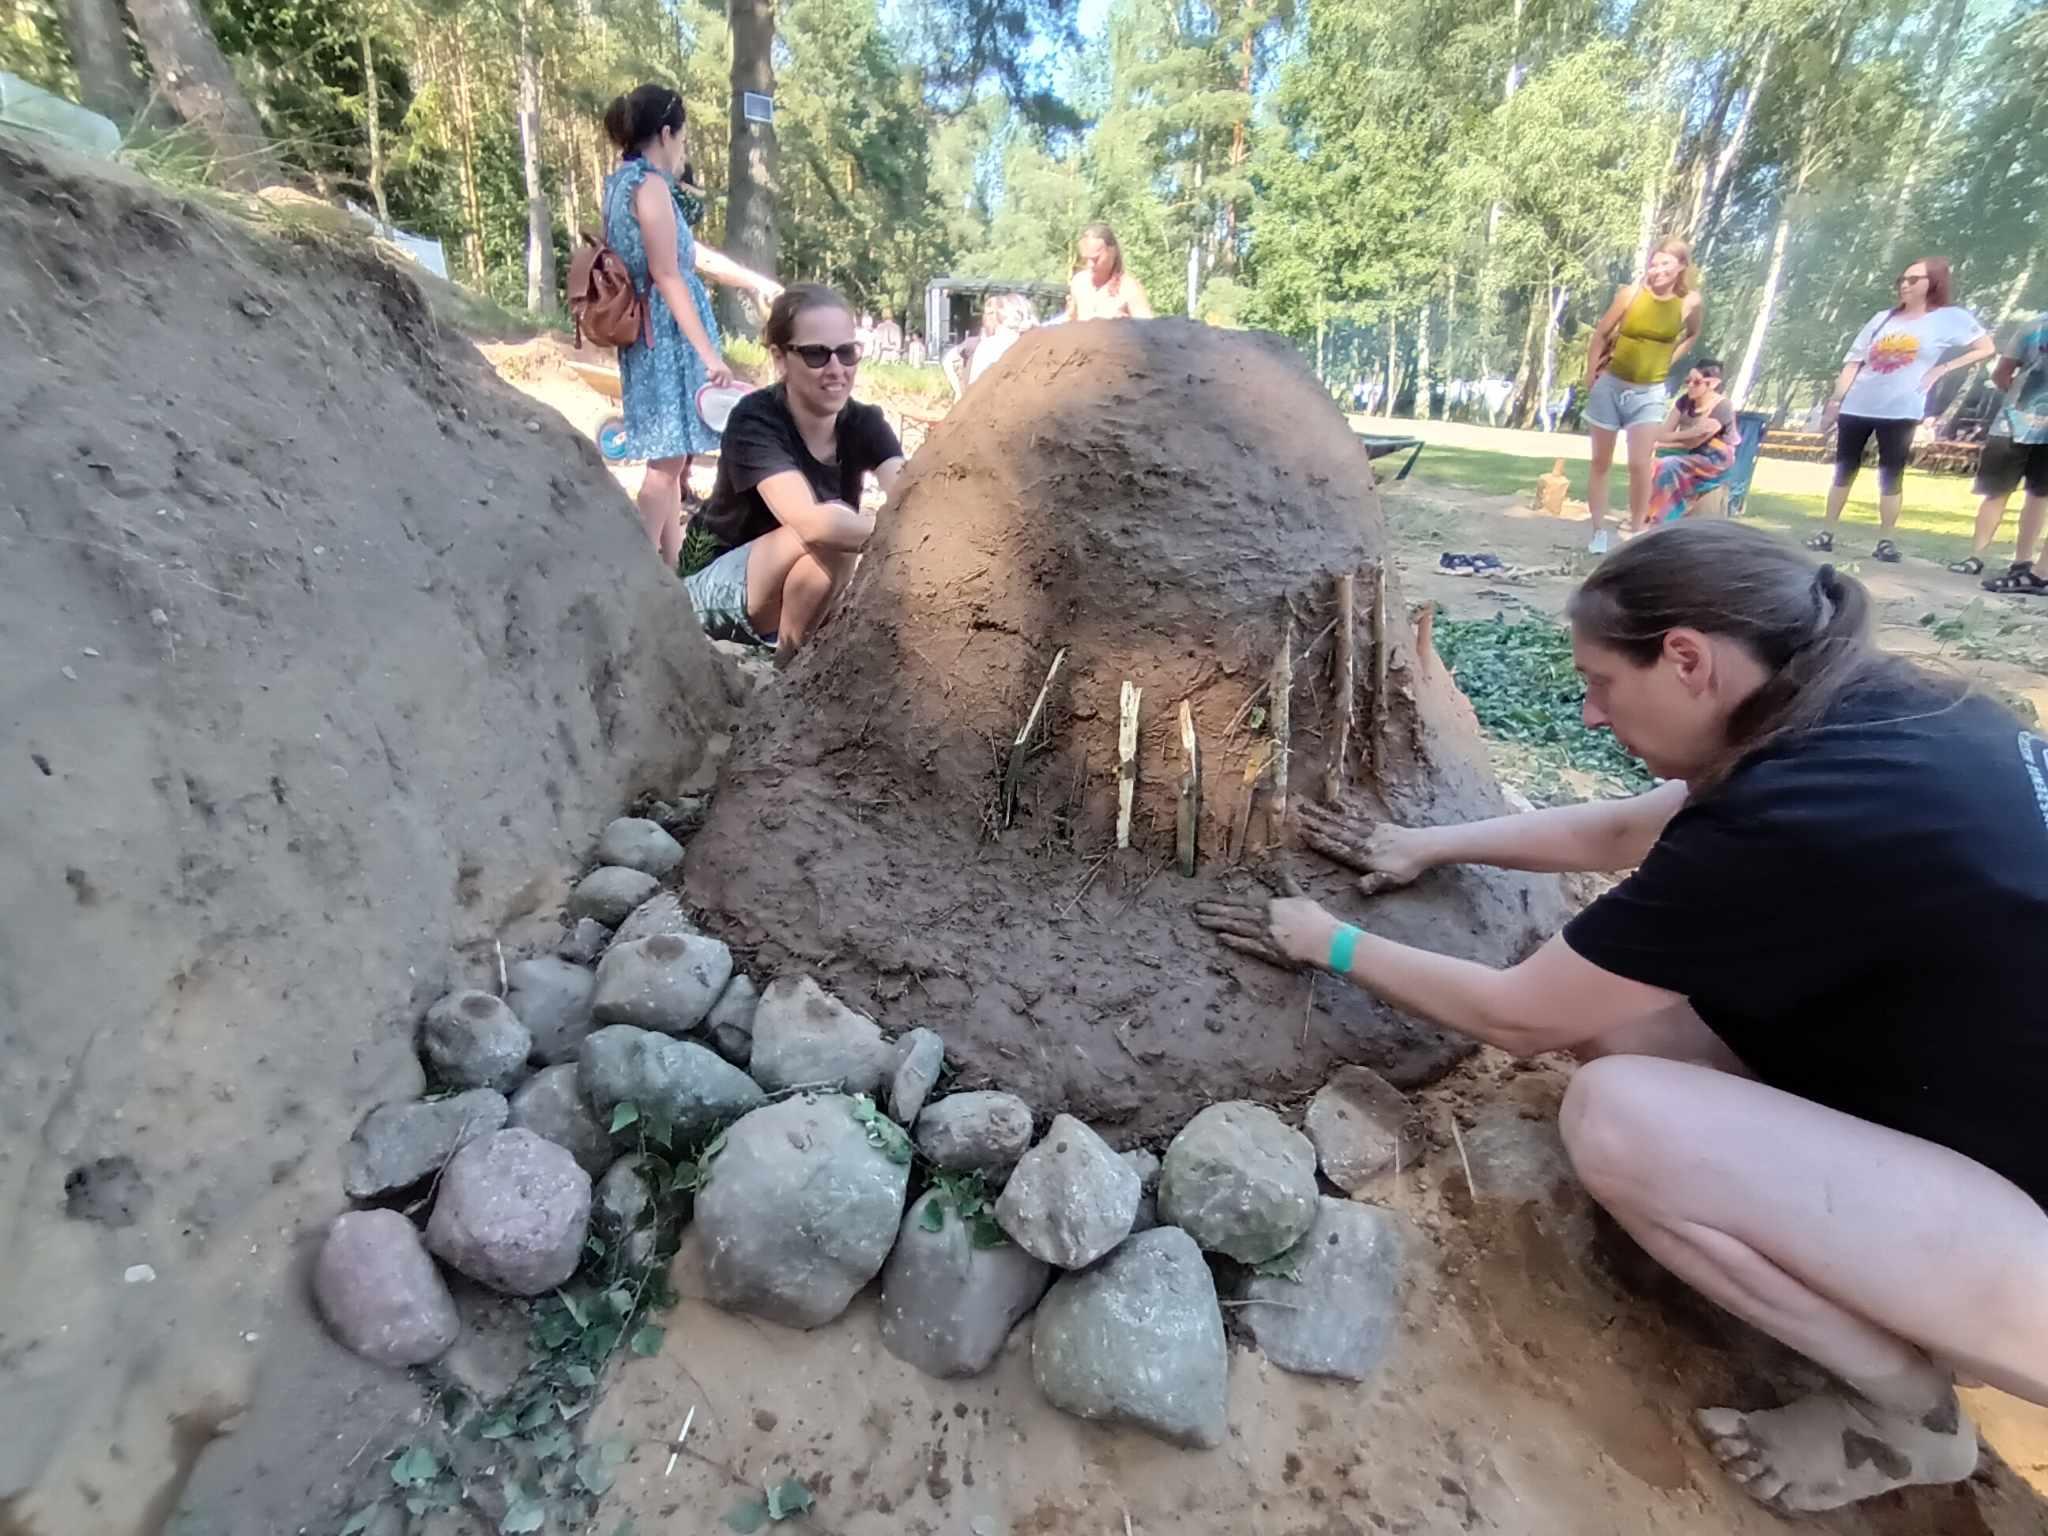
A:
(636, 118)
(1808, 627)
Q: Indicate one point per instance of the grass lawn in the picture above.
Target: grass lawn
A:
(1940, 510)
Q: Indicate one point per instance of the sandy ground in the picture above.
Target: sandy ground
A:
(1533, 1388)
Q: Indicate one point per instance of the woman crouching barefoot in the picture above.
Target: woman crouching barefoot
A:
(1813, 1021)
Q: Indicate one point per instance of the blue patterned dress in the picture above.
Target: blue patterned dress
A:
(658, 384)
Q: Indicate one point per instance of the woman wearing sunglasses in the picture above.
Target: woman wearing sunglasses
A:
(786, 508)
(1882, 393)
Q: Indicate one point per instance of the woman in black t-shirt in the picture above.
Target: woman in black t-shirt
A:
(1816, 1030)
(785, 512)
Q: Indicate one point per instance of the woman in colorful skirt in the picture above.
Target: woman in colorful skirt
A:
(1702, 427)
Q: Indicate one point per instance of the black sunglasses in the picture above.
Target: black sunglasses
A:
(816, 355)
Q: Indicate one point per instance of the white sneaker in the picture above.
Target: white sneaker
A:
(1598, 544)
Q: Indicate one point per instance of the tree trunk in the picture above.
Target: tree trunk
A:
(1556, 309)
(200, 87)
(540, 229)
(465, 125)
(1753, 353)
(1518, 395)
(98, 35)
(1393, 362)
(750, 234)
(1424, 406)
(376, 128)
(1507, 94)
(1708, 221)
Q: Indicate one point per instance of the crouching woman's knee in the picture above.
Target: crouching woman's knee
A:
(1609, 1125)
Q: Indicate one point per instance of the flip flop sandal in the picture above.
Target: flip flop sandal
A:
(1822, 541)
(1886, 551)
(1969, 566)
(2019, 581)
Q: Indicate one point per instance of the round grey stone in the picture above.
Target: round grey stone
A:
(551, 1104)
(622, 1200)
(730, 1024)
(799, 1213)
(398, 1145)
(658, 914)
(804, 1036)
(667, 982)
(512, 1212)
(1071, 1199)
(611, 893)
(1138, 1340)
(472, 1040)
(633, 842)
(1240, 1181)
(947, 1305)
(921, 1056)
(379, 1291)
(551, 997)
(1336, 1316)
(1361, 1126)
(678, 1080)
(583, 943)
(975, 1132)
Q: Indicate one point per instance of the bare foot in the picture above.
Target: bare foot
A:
(1834, 1448)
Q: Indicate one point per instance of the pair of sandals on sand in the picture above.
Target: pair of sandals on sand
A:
(2019, 579)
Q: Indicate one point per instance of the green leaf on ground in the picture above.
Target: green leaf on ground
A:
(624, 1114)
(934, 1217)
(883, 1133)
(594, 1475)
(359, 1521)
(646, 1340)
(747, 1516)
(415, 1468)
(499, 1426)
(788, 1498)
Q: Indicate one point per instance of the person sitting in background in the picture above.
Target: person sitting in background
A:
(913, 350)
(888, 340)
(1101, 289)
(1013, 317)
(2015, 450)
(785, 510)
(960, 356)
(1702, 427)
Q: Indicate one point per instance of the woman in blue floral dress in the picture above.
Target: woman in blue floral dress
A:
(678, 353)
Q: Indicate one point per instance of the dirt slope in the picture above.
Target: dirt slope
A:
(1156, 500)
(327, 657)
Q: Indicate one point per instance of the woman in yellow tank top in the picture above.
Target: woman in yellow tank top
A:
(1649, 326)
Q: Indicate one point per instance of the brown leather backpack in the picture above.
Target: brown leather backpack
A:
(602, 300)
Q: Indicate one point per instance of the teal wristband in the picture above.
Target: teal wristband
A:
(1343, 943)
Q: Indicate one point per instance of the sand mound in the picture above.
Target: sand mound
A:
(1156, 500)
(327, 660)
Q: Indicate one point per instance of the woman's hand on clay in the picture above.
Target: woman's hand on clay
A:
(1384, 855)
(1289, 930)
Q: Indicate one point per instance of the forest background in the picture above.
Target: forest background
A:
(1419, 192)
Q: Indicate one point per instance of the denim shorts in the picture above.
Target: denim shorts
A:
(719, 594)
(1618, 405)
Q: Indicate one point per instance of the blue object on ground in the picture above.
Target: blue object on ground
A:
(1752, 425)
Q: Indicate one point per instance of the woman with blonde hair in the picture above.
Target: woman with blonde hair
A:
(1101, 289)
(1650, 325)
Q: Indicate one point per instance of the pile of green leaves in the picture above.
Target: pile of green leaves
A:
(1522, 685)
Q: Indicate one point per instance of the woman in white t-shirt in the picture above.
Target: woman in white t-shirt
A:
(1014, 316)
(1882, 392)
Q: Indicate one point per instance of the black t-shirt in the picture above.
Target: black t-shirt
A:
(1860, 912)
(761, 439)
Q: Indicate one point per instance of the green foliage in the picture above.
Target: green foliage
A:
(780, 1501)
(1522, 685)
(1282, 1266)
(882, 1132)
(965, 1197)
